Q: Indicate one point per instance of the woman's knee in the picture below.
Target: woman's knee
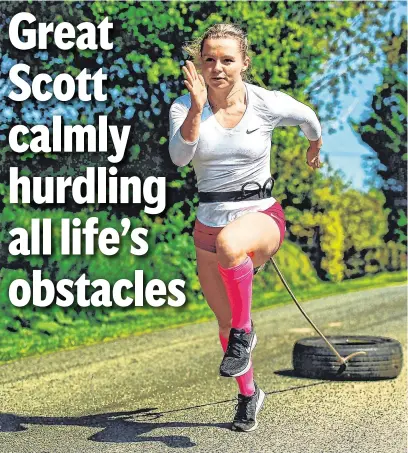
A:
(229, 251)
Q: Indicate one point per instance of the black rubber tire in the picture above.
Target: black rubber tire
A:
(312, 358)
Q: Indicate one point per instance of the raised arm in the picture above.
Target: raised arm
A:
(295, 113)
(185, 121)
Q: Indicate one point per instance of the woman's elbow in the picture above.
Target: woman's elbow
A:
(177, 157)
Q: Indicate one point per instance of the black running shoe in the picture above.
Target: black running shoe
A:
(247, 410)
(237, 357)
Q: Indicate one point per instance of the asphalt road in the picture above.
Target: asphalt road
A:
(160, 392)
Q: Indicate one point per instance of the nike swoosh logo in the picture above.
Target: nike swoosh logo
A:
(250, 132)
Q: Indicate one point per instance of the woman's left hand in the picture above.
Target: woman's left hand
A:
(313, 154)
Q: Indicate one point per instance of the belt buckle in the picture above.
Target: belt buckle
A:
(251, 182)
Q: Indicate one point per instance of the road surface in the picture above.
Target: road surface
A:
(160, 392)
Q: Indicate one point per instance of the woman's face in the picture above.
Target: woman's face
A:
(222, 63)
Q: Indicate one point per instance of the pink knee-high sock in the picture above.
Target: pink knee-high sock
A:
(238, 283)
(246, 381)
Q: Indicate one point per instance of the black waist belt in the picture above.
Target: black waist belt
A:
(239, 195)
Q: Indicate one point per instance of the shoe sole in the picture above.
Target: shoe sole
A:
(259, 406)
(254, 341)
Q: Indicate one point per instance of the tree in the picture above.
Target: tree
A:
(290, 41)
(385, 132)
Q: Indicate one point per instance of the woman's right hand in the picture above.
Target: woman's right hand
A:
(196, 86)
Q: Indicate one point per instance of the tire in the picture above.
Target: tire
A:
(312, 358)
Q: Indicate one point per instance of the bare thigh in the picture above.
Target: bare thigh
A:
(213, 289)
(255, 234)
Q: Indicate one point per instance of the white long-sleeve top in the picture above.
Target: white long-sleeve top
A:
(226, 158)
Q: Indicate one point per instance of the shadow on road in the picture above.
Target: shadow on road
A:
(289, 373)
(117, 426)
(130, 426)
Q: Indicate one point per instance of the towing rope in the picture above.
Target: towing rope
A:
(342, 360)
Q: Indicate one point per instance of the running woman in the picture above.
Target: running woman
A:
(224, 127)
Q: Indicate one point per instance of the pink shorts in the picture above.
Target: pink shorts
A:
(206, 236)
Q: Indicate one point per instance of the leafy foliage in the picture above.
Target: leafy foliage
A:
(340, 230)
(385, 132)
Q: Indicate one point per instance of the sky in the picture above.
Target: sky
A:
(344, 147)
